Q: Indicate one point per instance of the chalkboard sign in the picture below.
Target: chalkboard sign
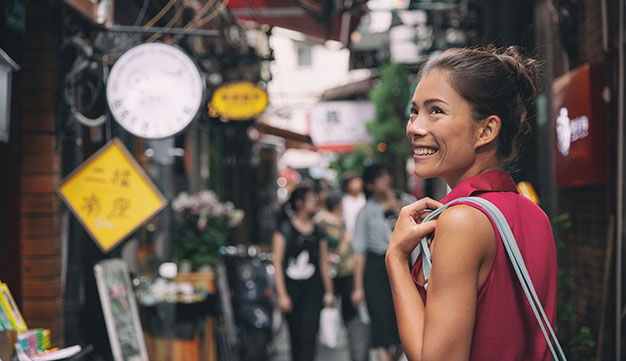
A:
(120, 311)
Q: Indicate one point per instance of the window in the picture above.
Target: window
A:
(304, 54)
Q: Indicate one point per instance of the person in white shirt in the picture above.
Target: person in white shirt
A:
(353, 199)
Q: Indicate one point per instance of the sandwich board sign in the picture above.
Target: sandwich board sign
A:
(120, 311)
(111, 195)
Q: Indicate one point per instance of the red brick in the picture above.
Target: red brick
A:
(41, 35)
(41, 226)
(37, 101)
(41, 163)
(44, 204)
(41, 267)
(44, 309)
(39, 184)
(41, 288)
(37, 122)
(46, 246)
(38, 80)
(37, 143)
(38, 59)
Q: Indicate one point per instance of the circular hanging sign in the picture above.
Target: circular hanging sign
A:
(238, 101)
(154, 90)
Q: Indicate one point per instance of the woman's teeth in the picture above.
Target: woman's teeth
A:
(424, 151)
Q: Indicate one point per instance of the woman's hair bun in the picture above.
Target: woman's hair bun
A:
(524, 69)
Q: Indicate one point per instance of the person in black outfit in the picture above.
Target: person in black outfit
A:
(302, 273)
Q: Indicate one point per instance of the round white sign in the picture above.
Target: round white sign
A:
(154, 90)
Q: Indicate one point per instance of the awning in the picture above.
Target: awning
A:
(292, 139)
(316, 18)
(353, 91)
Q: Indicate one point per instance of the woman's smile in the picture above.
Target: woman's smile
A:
(423, 152)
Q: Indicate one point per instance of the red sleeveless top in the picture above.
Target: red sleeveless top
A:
(505, 326)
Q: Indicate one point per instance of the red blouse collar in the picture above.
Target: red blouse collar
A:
(492, 181)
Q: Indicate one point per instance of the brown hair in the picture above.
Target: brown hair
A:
(494, 82)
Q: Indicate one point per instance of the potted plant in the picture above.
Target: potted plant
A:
(201, 224)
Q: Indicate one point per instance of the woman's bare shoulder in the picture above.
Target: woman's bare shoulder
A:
(464, 227)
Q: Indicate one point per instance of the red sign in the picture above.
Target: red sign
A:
(578, 112)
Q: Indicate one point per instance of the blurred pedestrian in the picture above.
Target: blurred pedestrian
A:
(339, 240)
(353, 198)
(302, 273)
(467, 113)
(322, 189)
(373, 228)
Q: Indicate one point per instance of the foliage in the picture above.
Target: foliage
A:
(354, 161)
(391, 96)
(578, 344)
(200, 227)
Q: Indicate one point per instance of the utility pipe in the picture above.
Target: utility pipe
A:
(154, 30)
(620, 183)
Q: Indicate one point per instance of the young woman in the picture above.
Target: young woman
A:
(302, 272)
(467, 113)
(374, 225)
(340, 244)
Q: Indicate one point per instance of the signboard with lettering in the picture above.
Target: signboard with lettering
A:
(238, 101)
(111, 195)
(120, 311)
(339, 125)
(578, 112)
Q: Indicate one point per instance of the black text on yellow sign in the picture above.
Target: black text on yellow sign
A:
(111, 195)
(238, 101)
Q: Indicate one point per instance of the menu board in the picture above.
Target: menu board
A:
(120, 311)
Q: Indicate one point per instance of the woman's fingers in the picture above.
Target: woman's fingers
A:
(407, 235)
(420, 209)
(426, 228)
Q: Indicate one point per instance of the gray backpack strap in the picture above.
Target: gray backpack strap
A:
(515, 257)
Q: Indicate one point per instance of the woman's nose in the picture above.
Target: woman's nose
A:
(415, 129)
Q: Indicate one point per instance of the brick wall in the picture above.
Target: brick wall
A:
(42, 284)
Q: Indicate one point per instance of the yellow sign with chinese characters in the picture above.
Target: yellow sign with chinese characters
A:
(111, 195)
(238, 101)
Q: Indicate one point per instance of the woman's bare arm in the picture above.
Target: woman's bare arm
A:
(278, 248)
(324, 264)
(463, 244)
(358, 294)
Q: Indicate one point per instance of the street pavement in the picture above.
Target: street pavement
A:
(340, 353)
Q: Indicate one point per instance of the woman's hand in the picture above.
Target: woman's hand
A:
(410, 229)
(357, 296)
(284, 303)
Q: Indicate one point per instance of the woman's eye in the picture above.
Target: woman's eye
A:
(436, 110)
(413, 111)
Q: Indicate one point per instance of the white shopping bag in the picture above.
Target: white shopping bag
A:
(329, 326)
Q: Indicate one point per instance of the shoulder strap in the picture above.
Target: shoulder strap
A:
(515, 257)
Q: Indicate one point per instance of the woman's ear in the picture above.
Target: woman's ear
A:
(488, 130)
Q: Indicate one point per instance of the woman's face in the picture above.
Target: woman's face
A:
(310, 203)
(441, 130)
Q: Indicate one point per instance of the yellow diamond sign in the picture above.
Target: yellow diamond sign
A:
(111, 195)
